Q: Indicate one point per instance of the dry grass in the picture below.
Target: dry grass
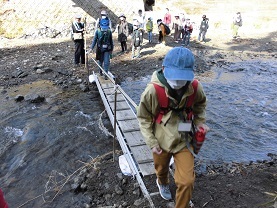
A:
(57, 181)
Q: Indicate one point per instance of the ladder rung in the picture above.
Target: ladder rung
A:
(154, 193)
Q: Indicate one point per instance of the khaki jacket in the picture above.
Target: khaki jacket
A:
(166, 134)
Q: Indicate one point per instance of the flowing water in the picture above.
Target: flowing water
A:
(241, 111)
(44, 143)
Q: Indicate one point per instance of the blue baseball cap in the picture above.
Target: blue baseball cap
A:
(178, 64)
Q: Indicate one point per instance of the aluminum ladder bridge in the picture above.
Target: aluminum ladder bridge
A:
(125, 124)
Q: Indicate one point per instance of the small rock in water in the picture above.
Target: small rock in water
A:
(19, 98)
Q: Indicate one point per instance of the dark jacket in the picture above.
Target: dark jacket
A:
(99, 35)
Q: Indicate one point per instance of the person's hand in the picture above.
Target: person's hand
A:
(157, 150)
(204, 126)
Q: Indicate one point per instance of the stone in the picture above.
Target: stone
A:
(138, 202)
(19, 98)
(107, 186)
(34, 98)
(118, 190)
(120, 175)
(39, 71)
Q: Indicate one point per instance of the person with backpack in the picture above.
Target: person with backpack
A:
(188, 28)
(123, 32)
(237, 23)
(104, 42)
(78, 38)
(166, 128)
(104, 15)
(149, 29)
(204, 26)
(162, 31)
(137, 39)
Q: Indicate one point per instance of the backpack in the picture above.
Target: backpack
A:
(198, 137)
(167, 29)
(150, 2)
(164, 102)
(130, 28)
(136, 38)
(104, 43)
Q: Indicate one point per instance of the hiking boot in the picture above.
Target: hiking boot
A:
(164, 191)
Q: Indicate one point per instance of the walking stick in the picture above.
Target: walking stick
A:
(85, 48)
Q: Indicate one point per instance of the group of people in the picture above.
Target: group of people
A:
(103, 35)
(183, 27)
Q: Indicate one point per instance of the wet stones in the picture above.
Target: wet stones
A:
(19, 98)
(19, 74)
(32, 98)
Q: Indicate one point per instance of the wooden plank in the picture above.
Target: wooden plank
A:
(129, 125)
(125, 115)
(119, 97)
(102, 80)
(134, 138)
(147, 168)
(109, 91)
(142, 154)
(107, 85)
(120, 105)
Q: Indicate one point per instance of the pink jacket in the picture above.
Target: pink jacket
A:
(167, 19)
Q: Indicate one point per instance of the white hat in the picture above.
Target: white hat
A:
(78, 16)
(103, 12)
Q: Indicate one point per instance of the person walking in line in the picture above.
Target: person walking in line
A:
(104, 42)
(137, 39)
(237, 23)
(167, 17)
(123, 32)
(162, 32)
(140, 17)
(149, 29)
(204, 26)
(103, 15)
(188, 30)
(166, 132)
(78, 38)
(183, 23)
(177, 26)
